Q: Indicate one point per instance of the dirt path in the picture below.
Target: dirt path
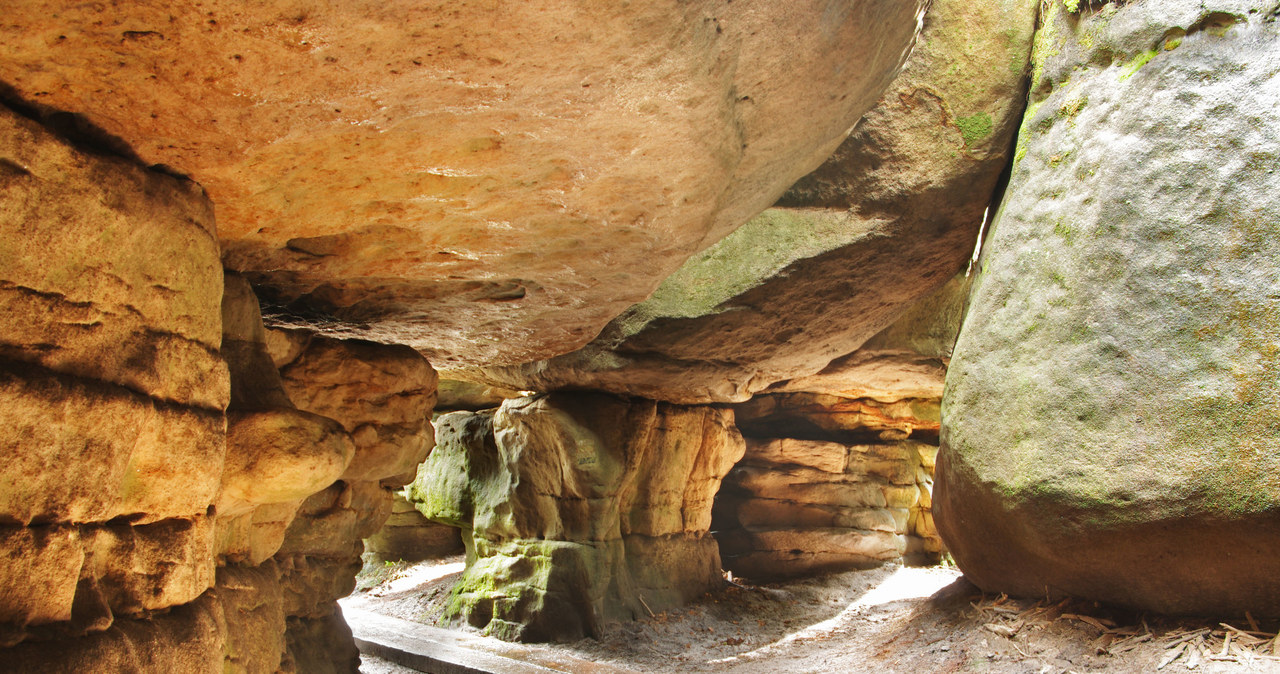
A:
(890, 619)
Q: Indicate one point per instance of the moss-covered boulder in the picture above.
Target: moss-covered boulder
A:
(578, 509)
(1111, 423)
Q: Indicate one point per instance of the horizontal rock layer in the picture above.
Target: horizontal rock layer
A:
(795, 507)
(111, 393)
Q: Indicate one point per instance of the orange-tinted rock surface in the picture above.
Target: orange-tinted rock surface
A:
(892, 215)
(828, 484)
(492, 184)
(383, 395)
(111, 389)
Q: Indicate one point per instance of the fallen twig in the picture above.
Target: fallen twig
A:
(1172, 655)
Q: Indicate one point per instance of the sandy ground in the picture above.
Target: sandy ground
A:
(891, 619)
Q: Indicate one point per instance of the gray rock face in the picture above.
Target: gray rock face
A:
(1112, 413)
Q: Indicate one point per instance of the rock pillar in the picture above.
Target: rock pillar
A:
(578, 508)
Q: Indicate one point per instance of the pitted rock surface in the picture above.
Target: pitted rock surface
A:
(577, 509)
(1110, 418)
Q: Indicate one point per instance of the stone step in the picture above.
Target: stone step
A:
(440, 651)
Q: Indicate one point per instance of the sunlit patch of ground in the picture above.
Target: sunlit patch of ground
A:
(890, 619)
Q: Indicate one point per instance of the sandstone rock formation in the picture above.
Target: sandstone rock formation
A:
(908, 359)
(887, 220)
(454, 395)
(577, 509)
(277, 455)
(1110, 422)
(828, 485)
(111, 389)
(482, 184)
(410, 537)
(383, 396)
(149, 483)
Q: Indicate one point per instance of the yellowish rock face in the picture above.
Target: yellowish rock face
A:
(487, 183)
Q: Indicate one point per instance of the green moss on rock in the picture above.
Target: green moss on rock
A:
(974, 128)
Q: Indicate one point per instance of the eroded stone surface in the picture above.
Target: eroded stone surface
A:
(383, 395)
(1110, 421)
(190, 638)
(67, 580)
(408, 536)
(320, 646)
(277, 455)
(252, 604)
(76, 296)
(905, 360)
(883, 223)
(455, 395)
(449, 176)
(111, 392)
(149, 459)
(846, 492)
(821, 416)
(578, 508)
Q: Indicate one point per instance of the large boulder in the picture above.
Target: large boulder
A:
(577, 509)
(887, 220)
(485, 185)
(1111, 416)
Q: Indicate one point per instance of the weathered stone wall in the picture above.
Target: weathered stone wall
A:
(577, 509)
(156, 462)
(383, 396)
(829, 484)
(111, 389)
(410, 537)
(1112, 413)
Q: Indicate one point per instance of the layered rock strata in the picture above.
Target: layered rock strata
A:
(157, 461)
(1110, 421)
(577, 509)
(111, 388)
(408, 536)
(383, 396)
(277, 455)
(386, 167)
(829, 484)
(892, 215)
